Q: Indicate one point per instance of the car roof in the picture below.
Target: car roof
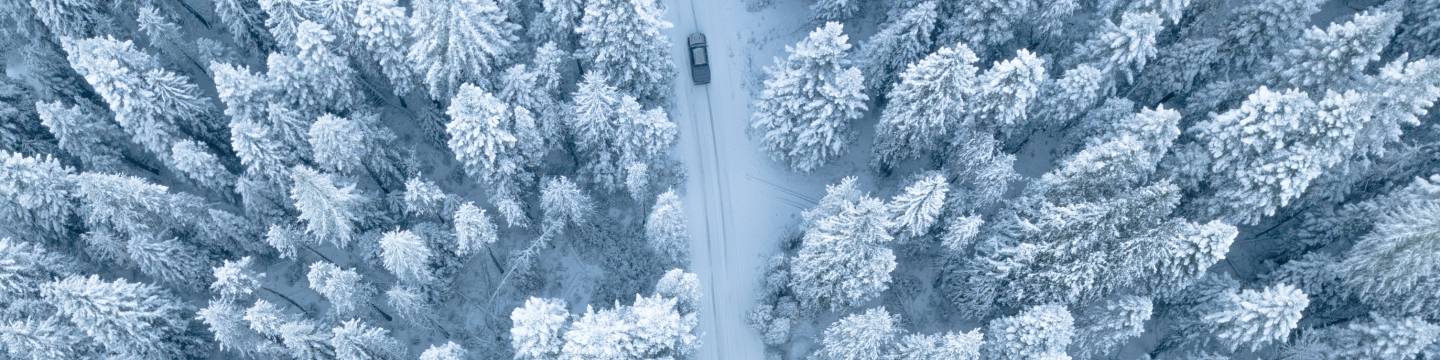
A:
(697, 38)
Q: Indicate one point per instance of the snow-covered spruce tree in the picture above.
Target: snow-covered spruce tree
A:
(154, 105)
(1266, 153)
(918, 207)
(43, 338)
(24, 266)
(317, 78)
(73, 17)
(843, 259)
(1386, 268)
(356, 145)
(235, 279)
(81, 132)
(35, 195)
(538, 326)
(834, 10)
(409, 304)
(613, 131)
(1005, 91)
(1253, 318)
(498, 143)
(682, 286)
(926, 106)
(809, 100)
(624, 42)
(1063, 100)
(1102, 330)
(328, 210)
(903, 41)
(563, 204)
(458, 42)
(650, 328)
(1337, 56)
(870, 335)
(556, 22)
(302, 338)
(129, 319)
(201, 166)
(226, 320)
(384, 32)
(982, 24)
(1418, 34)
(1123, 48)
(344, 288)
(948, 346)
(473, 230)
(449, 351)
(1255, 31)
(407, 256)
(160, 32)
(1041, 332)
(130, 212)
(245, 22)
(665, 228)
(355, 340)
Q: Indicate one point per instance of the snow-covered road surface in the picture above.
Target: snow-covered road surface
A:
(740, 203)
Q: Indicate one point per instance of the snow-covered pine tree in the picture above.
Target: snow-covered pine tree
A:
(1253, 32)
(948, 346)
(1005, 91)
(384, 32)
(235, 279)
(473, 230)
(613, 131)
(409, 304)
(160, 32)
(245, 21)
(926, 106)
(834, 10)
(73, 18)
(407, 256)
(1337, 56)
(809, 100)
(82, 133)
(356, 340)
(201, 166)
(317, 78)
(344, 288)
(1122, 48)
(1266, 153)
(458, 42)
(328, 210)
(354, 145)
(1040, 332)
(43, 338)
(1102, 330)
(497, 143)
(562, 203)
(127, 318)
(870, 335)
(843, 259)
(915, 210)
(982, 24)
(556, 22)
(666, 230)
(901, 42)
(34, 195)
(226, 320)
(538, 326)
(1386, 268)
(302, 338)
(449, 351)
(682, 286)
(1253, 318)
(154, 105)
(1063, 100)
(624, 41)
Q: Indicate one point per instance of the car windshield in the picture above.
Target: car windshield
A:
(697, 55)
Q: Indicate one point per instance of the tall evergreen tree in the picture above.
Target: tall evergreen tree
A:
(1040, 332)
(1123, 48)
(901, 42)
(407, 256)
(458, 42)
(328, 210)
(870, 335)
(926, 105)
(344, 288)
(538, 327)
(843, 260)
(1254, 318)
(809, 100)
(130, 319)
(624, 41)
(666, 229)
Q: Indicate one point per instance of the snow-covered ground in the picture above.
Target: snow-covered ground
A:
(739, 201)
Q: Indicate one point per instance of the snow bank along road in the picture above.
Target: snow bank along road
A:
(739, 202)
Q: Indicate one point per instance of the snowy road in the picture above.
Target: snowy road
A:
(739, 202)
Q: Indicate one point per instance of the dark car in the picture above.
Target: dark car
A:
(699, 59)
